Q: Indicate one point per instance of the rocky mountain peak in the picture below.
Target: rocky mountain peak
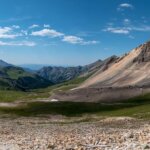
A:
(144, 55)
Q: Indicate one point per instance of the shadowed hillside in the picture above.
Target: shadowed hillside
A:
(16, 78)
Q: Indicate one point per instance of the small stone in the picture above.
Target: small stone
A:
(51, 146)
(146, 147)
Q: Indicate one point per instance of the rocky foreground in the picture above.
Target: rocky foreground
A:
(42, 134)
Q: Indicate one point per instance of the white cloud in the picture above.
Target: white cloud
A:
(34, 26)
(23, 43)
(126, 21)
(46, 26)
(47, 32)
(125, 6)
(117, 30)
(10, 33)
(77, 40)
(128, 29)
(89, 42)
(143, 28)
(72, 39)
(6, 32)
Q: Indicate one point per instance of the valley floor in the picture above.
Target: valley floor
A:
(118, 133)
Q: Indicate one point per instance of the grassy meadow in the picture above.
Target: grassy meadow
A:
(138, 107)
(14, 95)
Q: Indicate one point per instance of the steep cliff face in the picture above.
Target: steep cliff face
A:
(144, 55)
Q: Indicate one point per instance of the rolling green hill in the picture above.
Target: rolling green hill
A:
(12, 77)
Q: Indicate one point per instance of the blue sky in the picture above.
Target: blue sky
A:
(70, 32)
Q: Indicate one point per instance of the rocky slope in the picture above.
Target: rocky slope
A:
(132, 69)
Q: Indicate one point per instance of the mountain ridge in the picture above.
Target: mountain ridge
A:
(126, 77)
(61, 74)
(127, 71)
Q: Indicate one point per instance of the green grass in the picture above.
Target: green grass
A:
(138, 107)
(12, 95)
(77, 80)
(16, 73)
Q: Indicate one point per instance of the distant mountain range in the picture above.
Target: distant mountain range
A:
(61, 74)
(33, 67)
(24, 78)
(12, 77)
(130, 70)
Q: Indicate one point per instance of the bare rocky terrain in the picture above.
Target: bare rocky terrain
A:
(105, 134)
(132, 69)
(98, 94)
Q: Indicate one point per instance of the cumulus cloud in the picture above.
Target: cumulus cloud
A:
(125, 6)
(72, 39)
(127, 29)
(15, 31)
(6, 32)
(23, 43)
(33, 26)
(117, 30)
(89, 42)
(141, 28)
(47, 32)
(77, 40)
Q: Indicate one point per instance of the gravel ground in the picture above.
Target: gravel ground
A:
(41, 134)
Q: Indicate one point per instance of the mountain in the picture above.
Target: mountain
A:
(62, 74)
(98, 65)
(4, 64)
(12, 77)
(125, 77)
(132, 69)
